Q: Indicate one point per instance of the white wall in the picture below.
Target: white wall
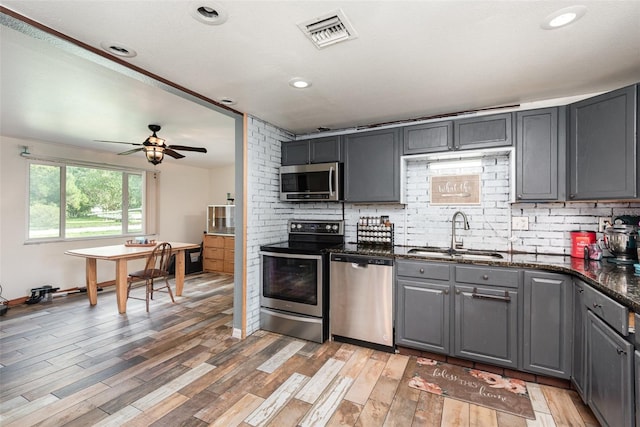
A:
(221, 182)
(184, 194)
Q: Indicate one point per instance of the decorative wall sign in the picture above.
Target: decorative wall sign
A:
(455, 190)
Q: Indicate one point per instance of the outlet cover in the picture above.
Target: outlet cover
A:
(520, 223)
(602, 222)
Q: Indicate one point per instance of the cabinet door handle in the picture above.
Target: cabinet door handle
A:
(505, 298)
(620, 351)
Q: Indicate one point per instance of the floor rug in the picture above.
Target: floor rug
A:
(471, 385)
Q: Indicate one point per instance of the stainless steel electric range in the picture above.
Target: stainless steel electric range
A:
(294, 277)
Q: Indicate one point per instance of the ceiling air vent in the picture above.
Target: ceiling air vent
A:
(328, 29)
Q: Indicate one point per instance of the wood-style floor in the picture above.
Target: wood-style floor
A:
(66, 363)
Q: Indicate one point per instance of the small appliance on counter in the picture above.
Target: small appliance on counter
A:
(620, 238)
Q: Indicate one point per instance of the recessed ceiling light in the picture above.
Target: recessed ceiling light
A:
(227, 101)
(299, 83)
(563, 17)
(209, 13)
(118, 49)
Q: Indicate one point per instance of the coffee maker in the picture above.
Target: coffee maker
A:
(620, 238)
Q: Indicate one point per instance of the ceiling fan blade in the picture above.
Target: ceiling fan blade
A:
(117, 142)
(135, 150)
(174, 154)
(186, 148)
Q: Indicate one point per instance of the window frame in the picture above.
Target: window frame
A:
(125, 174)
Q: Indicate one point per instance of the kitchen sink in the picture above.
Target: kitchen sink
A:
(470, 254)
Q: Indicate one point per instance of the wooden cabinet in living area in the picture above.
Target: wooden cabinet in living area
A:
(548, 323)
(540, 154)
(219, 252)
(318, 150)
(603, 155)
(372, 166)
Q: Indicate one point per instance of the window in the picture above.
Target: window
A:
(72, 202)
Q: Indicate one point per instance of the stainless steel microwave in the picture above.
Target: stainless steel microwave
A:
(311, 183)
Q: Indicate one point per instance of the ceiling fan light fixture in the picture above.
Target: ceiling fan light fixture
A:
(210, 13)
(563, 17)
(154, 154)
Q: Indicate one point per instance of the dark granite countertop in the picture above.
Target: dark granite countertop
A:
(617, 281)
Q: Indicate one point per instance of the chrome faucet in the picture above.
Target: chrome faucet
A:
(454, 242)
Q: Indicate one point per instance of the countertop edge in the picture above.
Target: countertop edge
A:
(564, 264)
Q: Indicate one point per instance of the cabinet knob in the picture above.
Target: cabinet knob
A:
(485, 277)
(596, 305)
(620, 351)
(519, 196)
(572, 196)
(446, 292)
(422, 270)
(580, 290)
(457, 291)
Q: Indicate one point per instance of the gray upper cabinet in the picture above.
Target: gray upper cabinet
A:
(319, 150)
(483, 132)
(372, 166)
(540, 154)
(428, 138)
(637, 368)
(547, 324)
(610, 386)
(295, 153)
(325, 150)
(603, 159)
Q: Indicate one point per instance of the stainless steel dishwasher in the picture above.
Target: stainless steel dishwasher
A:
(361, 300)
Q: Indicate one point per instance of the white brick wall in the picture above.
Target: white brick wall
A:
(266, 216)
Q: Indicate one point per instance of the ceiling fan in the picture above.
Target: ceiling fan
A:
(155, 148)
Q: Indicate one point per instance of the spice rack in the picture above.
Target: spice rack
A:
(376, 231)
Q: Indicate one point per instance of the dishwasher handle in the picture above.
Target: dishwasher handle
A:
(362, 260)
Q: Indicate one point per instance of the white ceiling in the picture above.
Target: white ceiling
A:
(411, 59)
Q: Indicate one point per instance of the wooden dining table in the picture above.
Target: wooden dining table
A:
(121, 254)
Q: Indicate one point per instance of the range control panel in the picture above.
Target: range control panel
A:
(316, 227)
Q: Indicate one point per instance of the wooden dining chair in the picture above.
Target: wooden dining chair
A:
(157, 267)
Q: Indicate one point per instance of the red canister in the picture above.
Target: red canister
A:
(580, 239)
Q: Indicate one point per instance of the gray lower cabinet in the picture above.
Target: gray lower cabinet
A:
(486, 324)
(610, 385)
(423, 320)
(483, 132)
(548, 324)
(603, 157)
(540, 154)
(372, 166)
(578, 359)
